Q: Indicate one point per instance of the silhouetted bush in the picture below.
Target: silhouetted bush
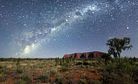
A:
(59, 80)
(120, 71)
(43, 78)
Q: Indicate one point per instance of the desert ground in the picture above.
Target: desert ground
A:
(69, 71)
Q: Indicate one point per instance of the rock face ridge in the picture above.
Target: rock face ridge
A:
(86, 55)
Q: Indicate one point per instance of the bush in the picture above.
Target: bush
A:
(51, 72)
(59, 80)
(79, 63)
(95, 82)
(64, 68)
(119, 71)
(43, 78)
(23, 80)
(135, 75)
(26, 78)
(2, 77)
(82, 81)
(3, 73)
(86, 63)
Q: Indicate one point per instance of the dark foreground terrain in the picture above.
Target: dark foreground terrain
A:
(69, 71)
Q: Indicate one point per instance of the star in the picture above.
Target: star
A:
(127, 28)
(39, 27)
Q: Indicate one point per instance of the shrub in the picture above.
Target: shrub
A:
(3, 73)
(2, 77)
(20, 82)
(95, 82)
(59, 80)
(43, 78)
(86, 63)
(52, 71)
(24, 79)
(135, 74)
(82, 81)
(79, 63)
(64, 68)
(119, 71)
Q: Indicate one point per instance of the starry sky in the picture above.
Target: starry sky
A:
(51, 28)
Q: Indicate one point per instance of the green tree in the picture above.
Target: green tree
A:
(117, 45)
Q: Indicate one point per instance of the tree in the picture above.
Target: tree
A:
(117, 45)
(106, 58)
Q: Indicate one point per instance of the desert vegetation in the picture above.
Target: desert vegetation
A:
(106, 70)
(69, 71)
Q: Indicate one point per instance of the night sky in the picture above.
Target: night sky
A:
(51, 28)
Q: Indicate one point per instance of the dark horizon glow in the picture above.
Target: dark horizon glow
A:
(52, 28)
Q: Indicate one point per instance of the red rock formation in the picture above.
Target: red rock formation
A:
(85, 55)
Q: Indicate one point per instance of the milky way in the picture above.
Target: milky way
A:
(50, 28)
